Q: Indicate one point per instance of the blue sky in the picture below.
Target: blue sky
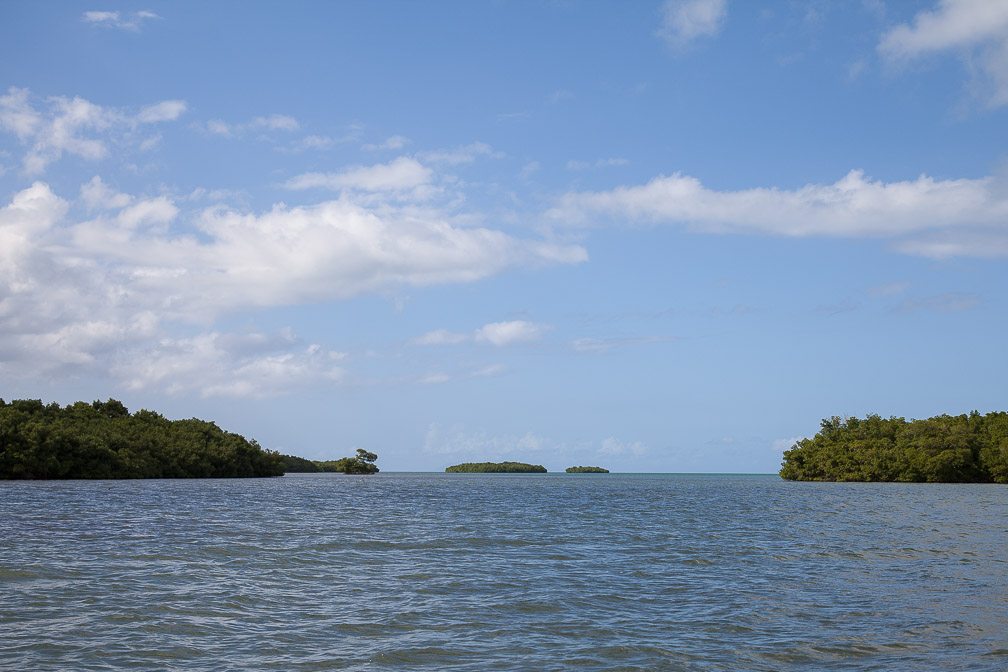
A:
(653, 236)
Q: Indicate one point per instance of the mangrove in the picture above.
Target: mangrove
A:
(944, 449)
(586, 470)
(496, 468)
(103, 440)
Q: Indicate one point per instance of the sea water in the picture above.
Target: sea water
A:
(502, 572)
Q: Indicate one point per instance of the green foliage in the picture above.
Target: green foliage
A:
(299, 465)
(102, 440)
(496, 468)
(363, 463)
(944, 449)
(587, 470)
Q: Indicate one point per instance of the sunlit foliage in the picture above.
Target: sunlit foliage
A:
(587, 470)
(949, 449)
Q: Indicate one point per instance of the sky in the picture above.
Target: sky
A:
(650, 236)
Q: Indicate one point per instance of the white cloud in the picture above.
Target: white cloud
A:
(600, 163)
(853, 206)
(85, 294)
(98, 196)
(132, 22)
(274, 122)
(615, 447)
(168, 110)
(210, 365)
(479, 446)
(976, 29)
(684, 21)
(160, 210)
(490, 370)
(506, 333)
(780, 445)
(17, 115)
(74, 126)
(395, 142)
(400, 174)
(464, 154)
(495, 333)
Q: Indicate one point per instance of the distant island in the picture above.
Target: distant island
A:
(363, 463)
(944, 449)
(496, 468)
(587, 470)
(103, 440)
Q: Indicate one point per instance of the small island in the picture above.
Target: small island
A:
(103, 440)
(363, 463)
(944, 449)
(587, 470)
(496, 468)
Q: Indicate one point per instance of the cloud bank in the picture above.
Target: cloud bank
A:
(926, 216)
(120, 290)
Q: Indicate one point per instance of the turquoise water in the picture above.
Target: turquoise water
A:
(502, 572)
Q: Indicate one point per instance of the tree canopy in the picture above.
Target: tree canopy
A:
(102, 440)
(587, 470)
(950, 449)
(496, 468)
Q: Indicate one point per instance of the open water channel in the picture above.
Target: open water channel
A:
(502, 572)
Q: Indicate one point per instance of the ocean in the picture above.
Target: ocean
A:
(502, 572)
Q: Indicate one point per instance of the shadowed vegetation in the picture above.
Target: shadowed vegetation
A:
(363, 463)
(496, 468)
(102, 440)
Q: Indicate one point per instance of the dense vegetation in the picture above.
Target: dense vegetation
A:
(300, 465)
(496, 468)
(587, 470)
(949, 449)
(102, 440)
(363, 463)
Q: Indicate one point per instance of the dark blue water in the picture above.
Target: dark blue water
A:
(492, 572)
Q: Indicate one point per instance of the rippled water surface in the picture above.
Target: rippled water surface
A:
(502, 572)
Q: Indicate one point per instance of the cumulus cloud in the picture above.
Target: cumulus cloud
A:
(74, 293)
(211, 364)
(132, 21)
(506, 333)
(684, 21)
(976, 30)
(74, 126)
(853, 206)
